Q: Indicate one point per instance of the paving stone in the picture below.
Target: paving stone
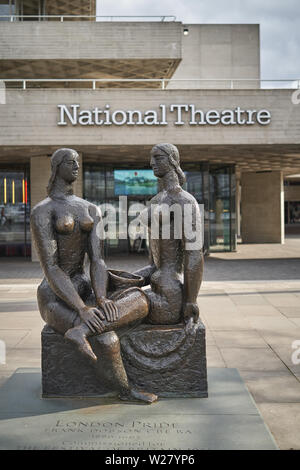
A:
(21, 306)
(267, 322)
(214, 357)
(225, 321)
(255, 359)
(272, 386)
(284, 337)
(12, 337)
(284, 420)
(289, 356)
(25, 320)
(280, 300)
(19, 357)
(290, 311)
(248, 299)
(259, 311)
(239, 339)
(31, 341)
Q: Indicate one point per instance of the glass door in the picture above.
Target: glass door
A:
(221, 208)
(14, 213)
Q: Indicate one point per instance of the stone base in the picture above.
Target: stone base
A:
(166, 360)
(65, 371)
(161, 359)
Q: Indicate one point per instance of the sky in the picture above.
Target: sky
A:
(279, 24)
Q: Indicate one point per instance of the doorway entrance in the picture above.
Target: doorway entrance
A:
(15, 212)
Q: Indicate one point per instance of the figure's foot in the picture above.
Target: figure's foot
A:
(136, 395)
(78, 337)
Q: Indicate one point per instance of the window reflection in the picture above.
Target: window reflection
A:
(213, 186)
(14, 214)
(220, 208)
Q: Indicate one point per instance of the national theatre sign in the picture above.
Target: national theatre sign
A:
(181, 114)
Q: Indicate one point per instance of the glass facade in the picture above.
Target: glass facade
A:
(213, 186)
(6, 8)
(221, 208)
(32, 10)
(14, 212)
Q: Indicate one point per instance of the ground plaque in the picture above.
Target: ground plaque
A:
(228, 419)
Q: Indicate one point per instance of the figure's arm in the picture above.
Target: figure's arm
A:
(98, 269)
(59, 281)
(193, 263)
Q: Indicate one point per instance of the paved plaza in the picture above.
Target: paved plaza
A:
(249, 302)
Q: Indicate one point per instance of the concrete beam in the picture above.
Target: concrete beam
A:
(89, 40)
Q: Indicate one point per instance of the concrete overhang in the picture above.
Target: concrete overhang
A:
(89, 49)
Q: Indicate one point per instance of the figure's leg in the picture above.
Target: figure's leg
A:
(165, 298)
(111, 367)
(107, 345)
(132, 306)
(64, 320)
(79, 336)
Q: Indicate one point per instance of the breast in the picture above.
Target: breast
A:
(65, 224)
(86, 223)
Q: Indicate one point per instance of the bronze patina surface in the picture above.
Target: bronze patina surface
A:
(105, 316)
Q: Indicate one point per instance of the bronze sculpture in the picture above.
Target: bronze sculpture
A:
(171, 301)
(64, 229)
(89, 309)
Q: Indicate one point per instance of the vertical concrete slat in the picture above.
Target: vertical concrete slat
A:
(262, 207)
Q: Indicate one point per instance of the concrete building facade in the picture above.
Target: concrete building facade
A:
(112, 89)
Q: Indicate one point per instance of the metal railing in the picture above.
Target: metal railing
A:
(166, 83)
(62, 18)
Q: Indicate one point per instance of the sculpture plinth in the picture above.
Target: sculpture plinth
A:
(160, 359)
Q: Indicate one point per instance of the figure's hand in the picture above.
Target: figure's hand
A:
(109, 308)
(92, 317)
(191, 311)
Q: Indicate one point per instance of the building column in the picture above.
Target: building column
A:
(262, 207)
(40, 170)
(237, 206)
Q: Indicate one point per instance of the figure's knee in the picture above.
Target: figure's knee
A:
(61, 319)
(108, 340)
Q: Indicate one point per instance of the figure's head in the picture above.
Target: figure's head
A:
(165, 158)
(65, 164)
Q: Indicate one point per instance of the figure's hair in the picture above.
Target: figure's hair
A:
(173, 154)
(56, 160)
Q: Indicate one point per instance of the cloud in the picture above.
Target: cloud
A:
(279, 20)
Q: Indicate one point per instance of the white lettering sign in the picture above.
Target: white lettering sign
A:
(181, 114)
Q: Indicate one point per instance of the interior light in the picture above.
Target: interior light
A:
(26, 191)
(5, 192)
(13, 191)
